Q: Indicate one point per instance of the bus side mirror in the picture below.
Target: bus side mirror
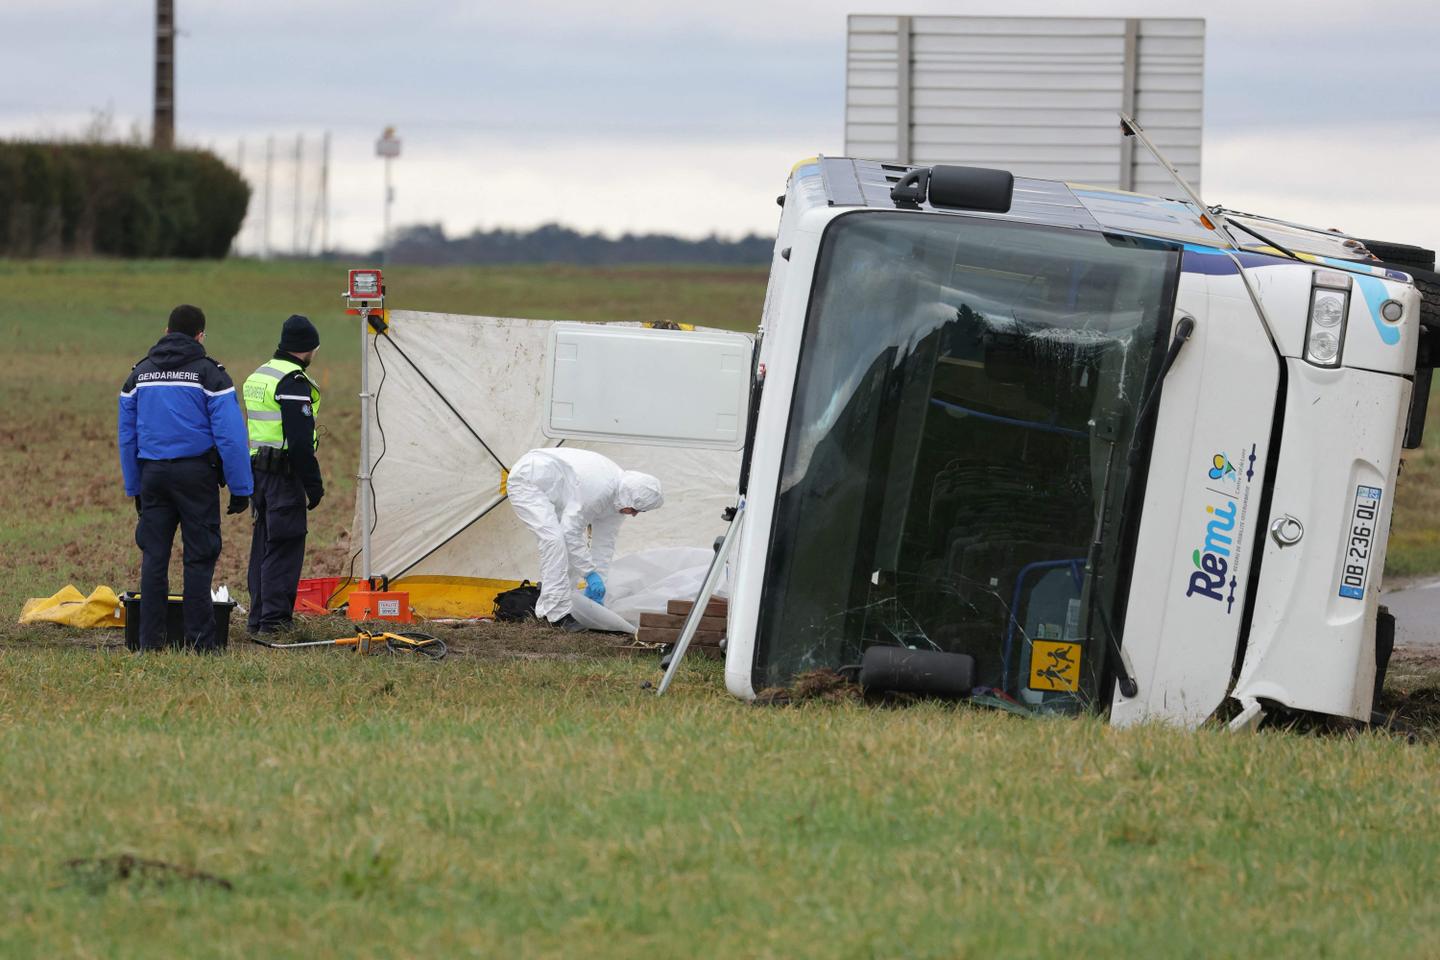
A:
(971, 188)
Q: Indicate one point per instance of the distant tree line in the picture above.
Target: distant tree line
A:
(117, 200)
(553, 243)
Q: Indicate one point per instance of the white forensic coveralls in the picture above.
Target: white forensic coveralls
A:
(559, 492)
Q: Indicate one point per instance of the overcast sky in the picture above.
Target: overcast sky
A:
(686, 118)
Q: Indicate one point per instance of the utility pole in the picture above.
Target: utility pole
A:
(269, 167)
(162, 130)
(295, 215)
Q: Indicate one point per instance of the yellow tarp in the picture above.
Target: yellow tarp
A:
(71, 608)
(441, 596)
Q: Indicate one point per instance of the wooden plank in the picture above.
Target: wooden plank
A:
(662, 635)
(667, 621)
(715, 608)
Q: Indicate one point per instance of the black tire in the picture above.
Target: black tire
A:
(1402, 255)
(1430, 301)
(926, 672)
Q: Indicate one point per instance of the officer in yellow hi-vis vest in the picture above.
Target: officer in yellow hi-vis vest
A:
(281, 404)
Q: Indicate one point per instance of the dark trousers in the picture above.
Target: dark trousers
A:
(184, 493)
(277, 550)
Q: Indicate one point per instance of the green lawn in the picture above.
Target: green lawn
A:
(556, 808)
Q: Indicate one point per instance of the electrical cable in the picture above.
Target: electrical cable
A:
(384, 447)
(432, 647)
(425, 645)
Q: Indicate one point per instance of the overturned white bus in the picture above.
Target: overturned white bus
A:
(1100, 450)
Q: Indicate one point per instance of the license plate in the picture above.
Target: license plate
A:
(1356, 565)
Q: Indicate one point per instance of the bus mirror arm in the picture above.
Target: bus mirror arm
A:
(757, 387)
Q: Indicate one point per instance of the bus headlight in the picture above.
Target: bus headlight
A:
(1329, 304)
(1327, 309)
(1323, 347)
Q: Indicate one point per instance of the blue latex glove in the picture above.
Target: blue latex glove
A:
(594, 587)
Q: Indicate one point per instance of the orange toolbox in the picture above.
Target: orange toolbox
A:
(369, 604)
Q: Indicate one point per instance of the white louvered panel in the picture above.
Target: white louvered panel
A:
(857, 115)
(870, 77)
(998, 155)
(872, 97)
(1169, 80)
(873, 132)
(1019, 26)
(1169, 101)
(1027, 45)
(1034, 95)
(997, 117)
(1161, 100)
(949, 78)
(1050, 135)
(1094, 174)
(860, 23)
(873, 42)
(1018, 100)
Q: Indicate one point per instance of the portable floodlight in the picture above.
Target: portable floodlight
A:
(366, 285)
(365, 297)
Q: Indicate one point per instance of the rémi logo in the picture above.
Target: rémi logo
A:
(1212, 561)
(1214, 576)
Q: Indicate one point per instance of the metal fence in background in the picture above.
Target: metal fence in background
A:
(289, 179)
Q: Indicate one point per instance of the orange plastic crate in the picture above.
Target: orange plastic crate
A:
(315, 593)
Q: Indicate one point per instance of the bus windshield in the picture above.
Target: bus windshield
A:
(964, 412)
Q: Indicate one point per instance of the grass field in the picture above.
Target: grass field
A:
(530, 796)
(556, 808)
(75, 328)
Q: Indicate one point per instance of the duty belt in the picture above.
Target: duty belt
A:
(271, 460)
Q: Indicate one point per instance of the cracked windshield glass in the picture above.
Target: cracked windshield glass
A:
(964, 415)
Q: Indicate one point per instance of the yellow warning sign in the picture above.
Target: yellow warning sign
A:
(1054, 665)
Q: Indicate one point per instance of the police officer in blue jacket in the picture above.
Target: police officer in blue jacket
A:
(182, 436)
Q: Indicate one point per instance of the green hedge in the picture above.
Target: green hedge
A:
(115, 200)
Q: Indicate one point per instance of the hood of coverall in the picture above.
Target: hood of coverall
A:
(639, 491)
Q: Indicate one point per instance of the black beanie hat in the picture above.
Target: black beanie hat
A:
(299, 335)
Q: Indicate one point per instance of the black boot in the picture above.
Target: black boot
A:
(569, 624)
